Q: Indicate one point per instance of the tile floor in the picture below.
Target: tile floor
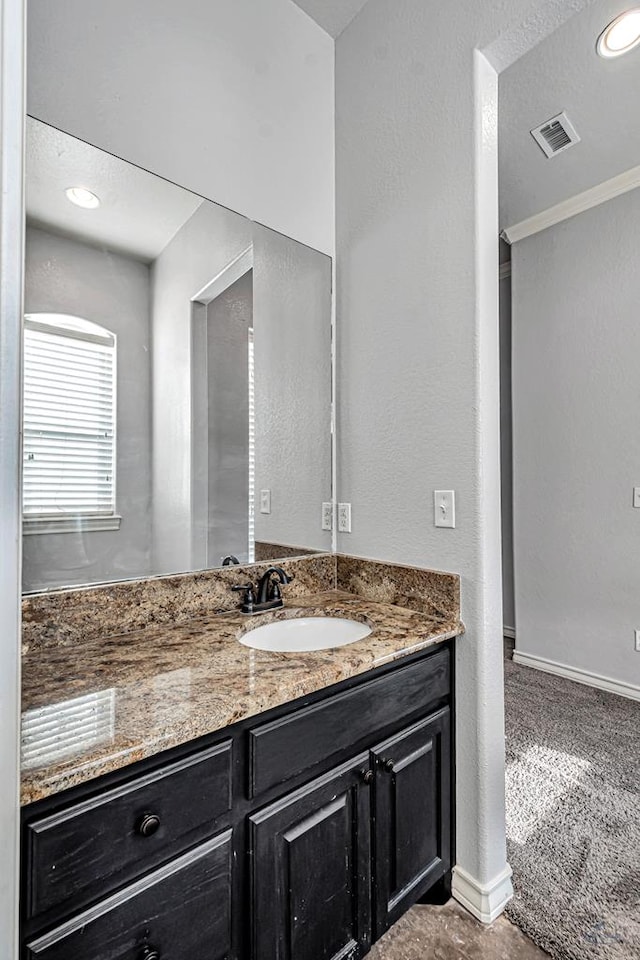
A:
(450, 933)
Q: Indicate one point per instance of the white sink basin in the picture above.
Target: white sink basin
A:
(305, 633)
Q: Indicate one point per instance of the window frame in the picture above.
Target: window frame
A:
(79, 329)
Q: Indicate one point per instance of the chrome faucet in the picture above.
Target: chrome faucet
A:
(267, 596)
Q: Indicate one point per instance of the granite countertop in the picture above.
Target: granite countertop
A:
(94, 708)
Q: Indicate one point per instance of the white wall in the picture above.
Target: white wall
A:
(576, 343)
(232, 99)
(418, 375)
(292, 339)
(229, 318)
(63, 275)
(207, 243)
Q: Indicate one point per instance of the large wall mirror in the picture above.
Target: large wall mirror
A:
(177, 377)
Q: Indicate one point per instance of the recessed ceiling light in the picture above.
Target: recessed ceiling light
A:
(83, 198)
(622, 34)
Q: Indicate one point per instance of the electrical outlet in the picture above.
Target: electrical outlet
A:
(444, 508)
(636, 497)
(637, 636)
(344, 517)
(327, 516)
(265, 501)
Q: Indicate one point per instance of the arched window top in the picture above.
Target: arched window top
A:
(66, 325)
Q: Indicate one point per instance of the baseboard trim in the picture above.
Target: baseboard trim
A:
(486, 901)
(509, 632)
(629, 690)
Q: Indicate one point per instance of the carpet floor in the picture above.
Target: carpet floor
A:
(573, 816)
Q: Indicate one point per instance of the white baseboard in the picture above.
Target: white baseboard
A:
(485, 901)
(629, 690)
(509, 632)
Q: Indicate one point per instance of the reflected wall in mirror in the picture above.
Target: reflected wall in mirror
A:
(177, 377)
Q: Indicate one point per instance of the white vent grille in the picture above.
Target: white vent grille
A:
(556, 135)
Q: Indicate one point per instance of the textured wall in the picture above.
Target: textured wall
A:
(417, 302)
(599, 96)
(576, 342)
(65, 276)
(232, 99)
(229, 318)
(209, 240)
(292, 337)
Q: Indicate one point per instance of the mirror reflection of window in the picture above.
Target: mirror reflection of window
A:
(169, 481)
(69, 420)
(51, 733)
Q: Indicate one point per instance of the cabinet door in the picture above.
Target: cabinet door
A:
(412, 816)
(311, 878)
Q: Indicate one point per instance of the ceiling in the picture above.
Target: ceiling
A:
(601, 99)
(332, 15)
(138, 215)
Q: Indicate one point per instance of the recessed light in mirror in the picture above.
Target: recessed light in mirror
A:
(622, 35)
(82, 197)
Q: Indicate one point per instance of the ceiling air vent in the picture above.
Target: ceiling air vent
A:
(555, 135)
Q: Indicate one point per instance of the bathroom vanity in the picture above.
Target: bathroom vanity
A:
(301, 831)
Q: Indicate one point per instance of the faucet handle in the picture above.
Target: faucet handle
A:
(249, 596)
(274, 591)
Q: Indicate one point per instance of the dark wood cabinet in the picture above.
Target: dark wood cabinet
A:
(341, 723)
(412, 816)
(301, 834)
(182, 912)
(310, 869)
(96, 845)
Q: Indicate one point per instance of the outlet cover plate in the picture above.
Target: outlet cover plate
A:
(265, 501)
(327, 516)
(344, 517)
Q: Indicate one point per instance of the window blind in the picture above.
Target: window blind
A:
(69, 421)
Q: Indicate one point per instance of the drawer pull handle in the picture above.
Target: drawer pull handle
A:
(389, 764)
(150, 953)
(146, 828)
(367, 776)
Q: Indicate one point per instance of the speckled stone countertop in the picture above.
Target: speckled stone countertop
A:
(95, 707)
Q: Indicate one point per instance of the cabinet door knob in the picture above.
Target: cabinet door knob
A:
(367, 776)
(150, 953)
(147, 827)
(388, 764)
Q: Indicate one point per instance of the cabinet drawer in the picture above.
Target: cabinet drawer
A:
(84, 851)
(284, 748)
(182, 911)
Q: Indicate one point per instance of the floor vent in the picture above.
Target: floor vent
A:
(555, 135)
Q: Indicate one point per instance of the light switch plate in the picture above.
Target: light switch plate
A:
(327, 516)
(444, 508)
(636, 496)
(265, 501)
(344, 517)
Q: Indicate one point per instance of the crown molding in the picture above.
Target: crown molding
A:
(593, 197)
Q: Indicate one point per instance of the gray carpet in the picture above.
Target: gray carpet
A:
(573, 816)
